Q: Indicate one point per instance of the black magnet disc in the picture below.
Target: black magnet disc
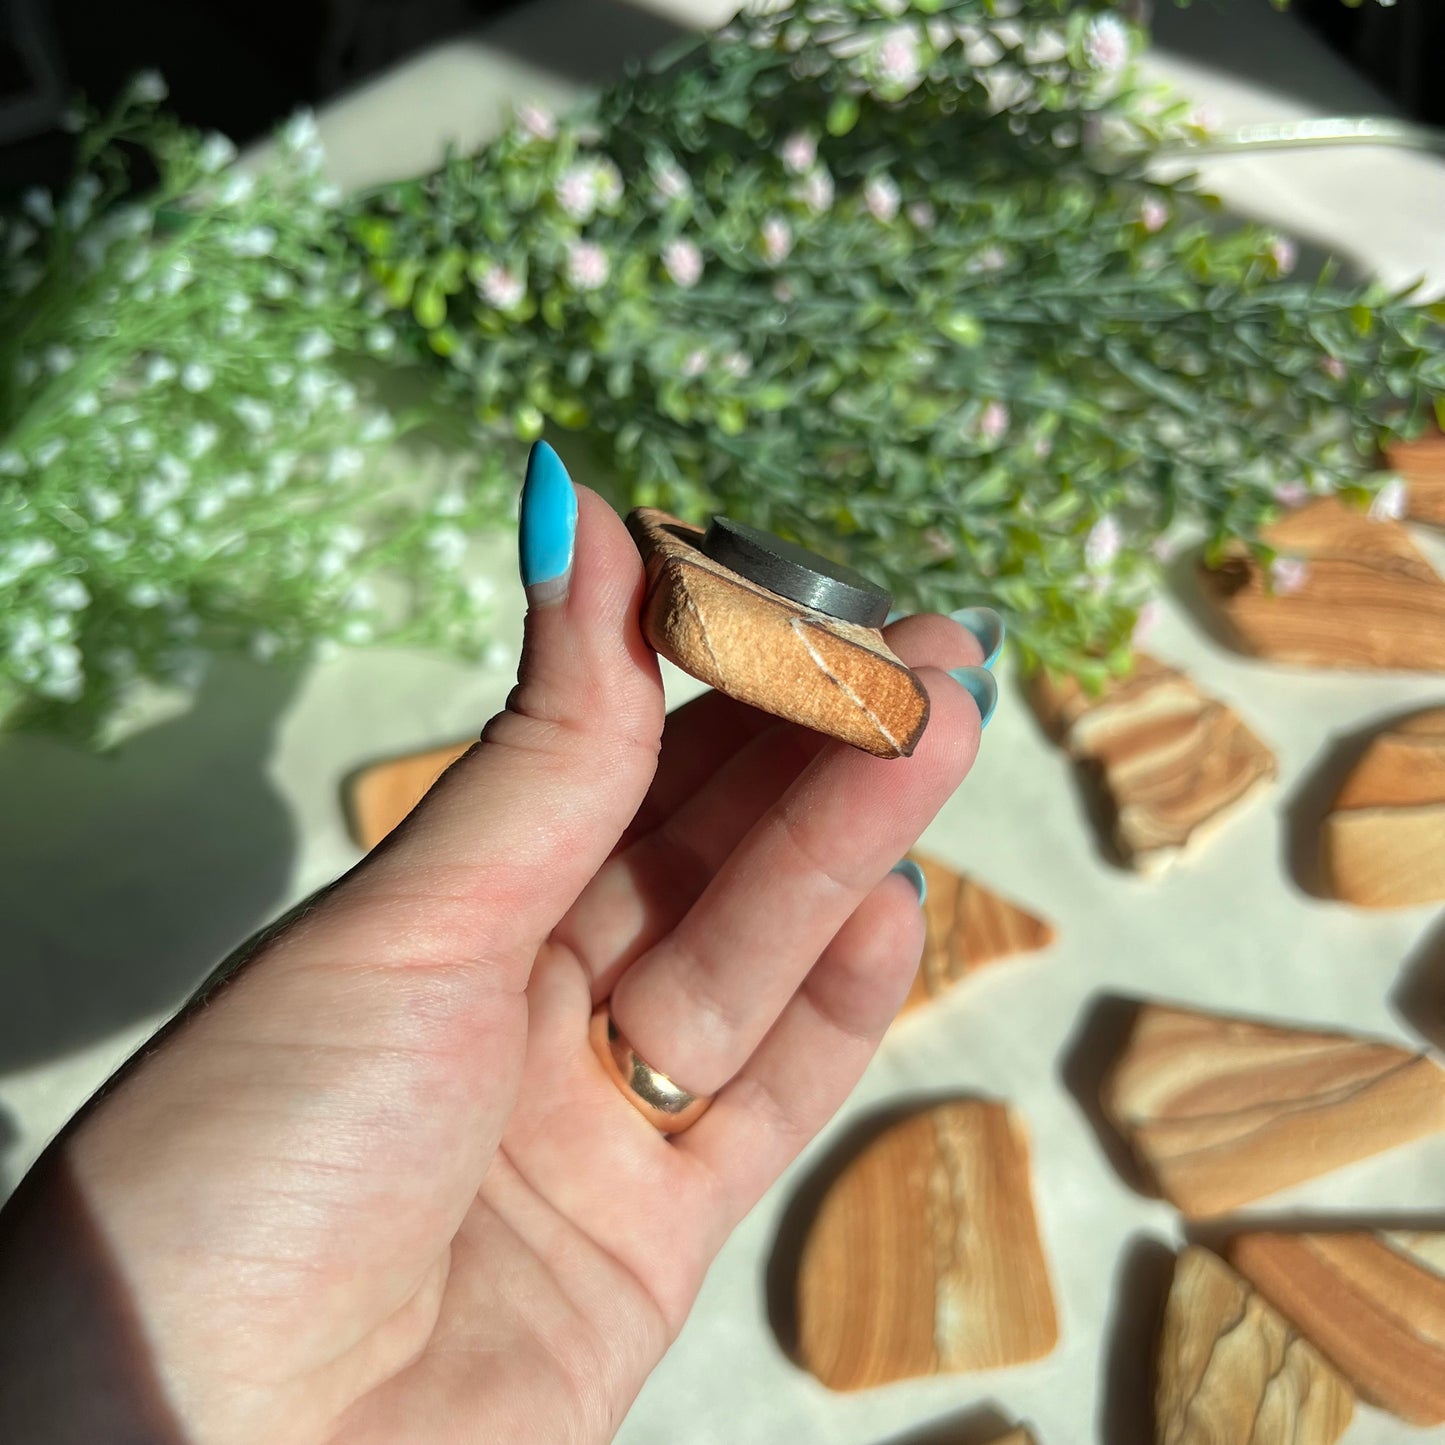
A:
(796, 573)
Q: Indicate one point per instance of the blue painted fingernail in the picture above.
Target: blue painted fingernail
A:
(914, 874)
(981, 687)
(548, 530)
(987, 626)
(894, 616)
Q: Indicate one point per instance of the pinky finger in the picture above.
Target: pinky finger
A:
(814, 1054)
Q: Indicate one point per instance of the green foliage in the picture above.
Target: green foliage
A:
(896, 283)
(184, 464)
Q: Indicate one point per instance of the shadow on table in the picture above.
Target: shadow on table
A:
(125, 878)
(977, 1425)
(585, 40)
(1419, 996)
(1141, 1286)
(1104, 1028)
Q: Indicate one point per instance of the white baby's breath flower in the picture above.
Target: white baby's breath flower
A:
(196, 376)
(990, 259)
(168, 523)
(208, 505)
(360, 597)
(777, 239)
(497, 655)
(576, 192)
(102, 503)
(378, 427)
(348, 538)
(380, 339)
(135, 267)
(238, 187)
(258, 417)
(587, 265)
(216, 152)
(302, 138)
(921, 215)
(799, 151)
(201, 436)
(107, 543)
(993, 422)
(314, 346)
(682, 260)
(897, 63)
(67, 594)
(173, 471)
(263, 646)
(816, 190)
(1334, 368)
(343, 463)
(12, 464)
(1391, 502)
(141, 440)
(277, 286)
(448, 545)
(19, 238)
(237, 303)
(49, 451)
(536, 122)
(695, 362)
(145, 595)
(59, 359)
(86, 404)
(450, 503)
(881, 197)
(39, 204)
(1106, 43)
(176, 277)
(253, 241)
(1284, 254)
(329, 565)
(1104, 543)
(148, 87)
(237, 484)
(357, 631)
(159, 370)
(1153, 214)
(480, 591)
(502, 288)
(736, 364)
(312, 389)
(670, 181)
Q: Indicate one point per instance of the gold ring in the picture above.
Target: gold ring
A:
(661, 1102)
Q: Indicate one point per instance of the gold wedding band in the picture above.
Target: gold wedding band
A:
(661, 1102)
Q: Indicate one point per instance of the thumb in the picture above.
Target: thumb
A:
(502, 846)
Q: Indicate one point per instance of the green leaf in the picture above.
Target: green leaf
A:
(1362, 318)
(962, 327)
(842, 115)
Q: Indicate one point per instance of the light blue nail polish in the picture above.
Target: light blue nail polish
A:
(914, 874)
(987, 626)
(894, 616)
(548, 529)
(981, 687)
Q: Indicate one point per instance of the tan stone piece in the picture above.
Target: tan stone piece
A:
(968, 926)
(1422, 464)
(924, 1257)
(380, 796)
(1232, 1372)
(1220, 1110)
(787, 660)
(1173, 764)
(1368, 598)
(1372, 1302)
(1383, 841)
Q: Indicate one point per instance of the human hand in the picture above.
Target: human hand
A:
(376, 1187)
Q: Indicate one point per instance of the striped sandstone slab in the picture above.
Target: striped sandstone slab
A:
(1373, 1303)
(379, 797)
(1173, 764)
(968, 927)
(924, 1257)
(1383, 841)
(1232, 1372)
(1220, 1111)
(1422, 464)
(1369, 598)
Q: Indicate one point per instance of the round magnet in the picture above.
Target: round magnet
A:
(796, 573)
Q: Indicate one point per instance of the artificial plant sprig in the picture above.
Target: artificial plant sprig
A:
(187, 461)
(897, 281)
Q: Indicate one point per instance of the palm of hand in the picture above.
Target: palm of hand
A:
(379, 1189)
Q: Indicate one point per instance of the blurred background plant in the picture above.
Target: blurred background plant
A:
(189, 460)
(895, 280)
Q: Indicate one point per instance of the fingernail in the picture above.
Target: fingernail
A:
(981, 687)
(548, 528)
(987, 626)
(914, 874)
(894, 616)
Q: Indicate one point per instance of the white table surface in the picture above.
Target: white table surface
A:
(122, 880)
